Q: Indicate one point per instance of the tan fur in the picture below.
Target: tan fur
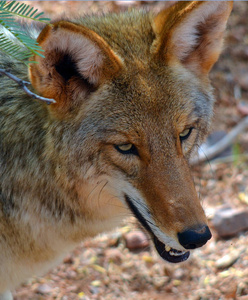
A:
(131, 78)
(178, 39)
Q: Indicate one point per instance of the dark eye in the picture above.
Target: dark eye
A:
(127, 149)
(185, 134)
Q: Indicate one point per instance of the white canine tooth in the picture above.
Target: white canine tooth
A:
(167, 248)
(172, 253)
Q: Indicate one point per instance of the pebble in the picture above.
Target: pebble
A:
(114, 255)
(229, 222)
(227, 260)
(71, 274)
(68, 259)
(159, 282)
(44, 289)
(179, 273)
(136, 240)
(73, 288)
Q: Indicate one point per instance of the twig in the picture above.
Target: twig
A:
(220, 146)
(229, 159)
(23, 84)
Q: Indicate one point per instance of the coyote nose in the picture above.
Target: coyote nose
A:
(194, 238)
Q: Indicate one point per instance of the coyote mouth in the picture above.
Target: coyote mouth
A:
(167, 253)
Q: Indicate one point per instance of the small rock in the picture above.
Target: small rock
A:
(179, 273)
(43, 289)
(147, 258)
(159, 282)
(227, 260)
(73, 288)
(114, 239)
(94, 290)
(114, 255)
(96, 283)
(136, 240)
(229, 222)
(71, 274)
(68, 259)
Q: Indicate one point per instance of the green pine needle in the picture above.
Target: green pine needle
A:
(13, 41)
(14, 8)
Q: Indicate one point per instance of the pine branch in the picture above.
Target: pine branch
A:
(23, 10)
(23, 84)
(14, 41)
(9, 47)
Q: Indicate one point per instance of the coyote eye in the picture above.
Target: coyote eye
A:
(185, 134)
(127, 149)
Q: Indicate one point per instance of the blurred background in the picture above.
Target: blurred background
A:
(122, 264)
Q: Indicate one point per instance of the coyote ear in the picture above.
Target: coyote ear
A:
(192, 33)
(77, 61)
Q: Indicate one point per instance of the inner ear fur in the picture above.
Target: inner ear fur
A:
(191, 32)
(76, 62)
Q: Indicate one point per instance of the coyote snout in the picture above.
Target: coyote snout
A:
(168, 206)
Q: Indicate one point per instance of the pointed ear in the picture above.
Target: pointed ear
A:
(192, 33)
(77, 61)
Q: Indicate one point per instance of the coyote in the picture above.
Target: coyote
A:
(133, 102)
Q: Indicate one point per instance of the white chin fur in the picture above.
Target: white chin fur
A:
(140, 204)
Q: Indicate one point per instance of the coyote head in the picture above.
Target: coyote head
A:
(133, 103)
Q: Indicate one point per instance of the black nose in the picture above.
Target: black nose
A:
(194, 238)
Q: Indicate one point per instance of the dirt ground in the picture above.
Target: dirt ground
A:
(104, 268)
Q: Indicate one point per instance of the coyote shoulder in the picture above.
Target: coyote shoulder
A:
(133, 102)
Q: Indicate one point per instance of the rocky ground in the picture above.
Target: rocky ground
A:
(109, 267)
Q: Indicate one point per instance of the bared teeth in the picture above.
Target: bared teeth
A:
(177, 253)
(173, 252)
